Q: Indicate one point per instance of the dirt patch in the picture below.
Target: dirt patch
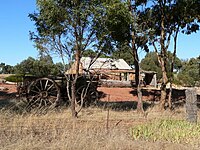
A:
(114, 94)
(12, 88)
(126, 94)
(8, 91)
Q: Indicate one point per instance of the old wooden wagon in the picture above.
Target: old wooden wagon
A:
(53, 90)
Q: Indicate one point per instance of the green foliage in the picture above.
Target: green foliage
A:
(189, 73)
(176, 131)
(91, 53)
(41, 67)
(2, 65)
(6, 69)
(165, 20)
(123, 52)
(65, 27)
(124, 22)
(119, 20)
(185, 17)
(14, 78)
(150, 63)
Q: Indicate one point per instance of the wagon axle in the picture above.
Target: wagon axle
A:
(43, 94)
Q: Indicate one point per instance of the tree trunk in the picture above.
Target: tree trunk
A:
(137, 81)
(162, 59)
(73, 88)
(170, 95)
(140, 103)
(171, 70)
(163, 85)
(136, 64)
(73, 99)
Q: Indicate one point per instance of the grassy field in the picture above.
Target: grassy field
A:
(94, 129)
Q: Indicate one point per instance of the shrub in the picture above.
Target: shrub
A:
(14, 78)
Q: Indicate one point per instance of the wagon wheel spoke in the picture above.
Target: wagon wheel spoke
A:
(34, 91)
(37, 88)
(34, 102)
(41, 86)
(50, 87)
(94, 95)
(52, 91)
(46, 84)
(52, 97)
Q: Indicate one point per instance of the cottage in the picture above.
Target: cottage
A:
(116, 70)
(107, 68)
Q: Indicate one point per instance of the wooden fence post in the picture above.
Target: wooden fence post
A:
(191, 105)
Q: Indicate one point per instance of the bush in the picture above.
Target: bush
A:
(14, 78)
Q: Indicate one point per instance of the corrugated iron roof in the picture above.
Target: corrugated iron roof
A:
(105, 63)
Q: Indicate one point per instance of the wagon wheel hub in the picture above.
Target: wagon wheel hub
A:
(43, 94)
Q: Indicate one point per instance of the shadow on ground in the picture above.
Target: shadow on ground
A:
(123, 105)
(7, 99)
(150, 98)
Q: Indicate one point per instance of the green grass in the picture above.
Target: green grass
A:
(176, 131)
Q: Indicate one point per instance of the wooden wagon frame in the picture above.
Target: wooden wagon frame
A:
(52, 90)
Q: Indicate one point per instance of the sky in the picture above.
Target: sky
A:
(15, 45)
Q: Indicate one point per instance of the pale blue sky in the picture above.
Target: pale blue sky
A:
(15, 25)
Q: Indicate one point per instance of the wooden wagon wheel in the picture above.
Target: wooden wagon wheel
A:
(85, 96)
(92, 96)
(43, 92)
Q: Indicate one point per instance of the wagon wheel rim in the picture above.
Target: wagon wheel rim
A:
(43, 92)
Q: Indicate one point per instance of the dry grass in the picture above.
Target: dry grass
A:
(57, 130)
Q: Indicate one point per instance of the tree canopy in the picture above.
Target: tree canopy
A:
(65, 27)
(150, 63)
(189, 74)
(41, 67)
(6, 69)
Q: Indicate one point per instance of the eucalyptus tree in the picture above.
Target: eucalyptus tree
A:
(6, 69)
(2, 65)
(150, 63)
(123, 52)
(126, 30)
(189, 74)
(67, 28)
(167, 18)
(185, 20)
(25, 67)
(41, 67)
